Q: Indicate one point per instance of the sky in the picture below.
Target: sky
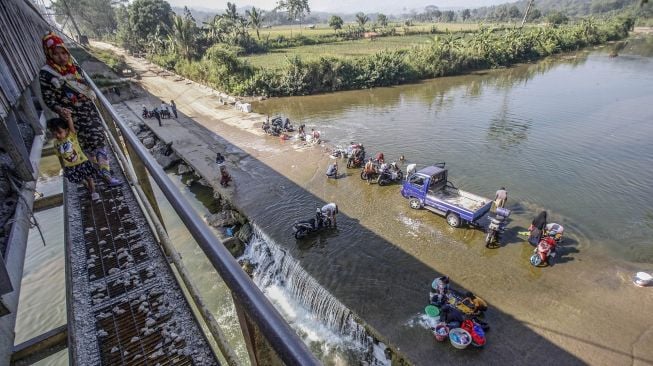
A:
(343, 6)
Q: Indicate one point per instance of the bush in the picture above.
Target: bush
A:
(448, 55)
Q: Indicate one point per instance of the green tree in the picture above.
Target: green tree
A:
(448, 16)
(148, 18)
(255, 18)
(382, 20)
(184, 32)
(557, 18)
(362, 19)
(336, 22)
(466, 14)
(534, 14)
(514, 12)
(231, 12)
(296, 9)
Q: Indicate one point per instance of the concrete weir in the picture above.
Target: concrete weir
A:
(263, 259)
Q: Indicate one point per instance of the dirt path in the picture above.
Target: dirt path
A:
(586, 311)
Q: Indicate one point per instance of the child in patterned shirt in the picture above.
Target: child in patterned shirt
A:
(76, 166)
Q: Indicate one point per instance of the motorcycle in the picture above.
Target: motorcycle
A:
(302, 229)
(545, 252)
(356, 158)
(374, 175)
(272, 130)
(390, 173)
(496, 227)
(282, 124)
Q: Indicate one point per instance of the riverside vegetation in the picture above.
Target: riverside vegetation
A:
(448, 54)
(217, 51)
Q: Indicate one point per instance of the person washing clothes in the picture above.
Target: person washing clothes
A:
(537, 228)
(500, 198)
(332, 170)
(330, 210)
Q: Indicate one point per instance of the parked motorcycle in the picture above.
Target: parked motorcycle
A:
(372, 176)
(545, 252)
(496, 227)
(356, 158)
(301, 229)
(273, 130)
(389, 173)
(282, 124)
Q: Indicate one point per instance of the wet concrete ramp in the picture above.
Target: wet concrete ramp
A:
(125, 306)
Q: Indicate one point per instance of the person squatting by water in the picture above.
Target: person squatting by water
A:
(76, 166)
(219, 159)
(332, 170)
(65, 91)
(439, 291)
(478, 305)
(451, 316)
(500, 198)
(225, 178)
(330, 210)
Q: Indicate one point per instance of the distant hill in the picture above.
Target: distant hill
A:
(572, 8)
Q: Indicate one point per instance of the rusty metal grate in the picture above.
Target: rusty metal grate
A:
(127, 308)
(140, 331)
(111, 235)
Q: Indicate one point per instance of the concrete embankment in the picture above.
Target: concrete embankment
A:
(188, 146)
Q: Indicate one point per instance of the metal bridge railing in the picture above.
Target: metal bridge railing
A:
(256, 313)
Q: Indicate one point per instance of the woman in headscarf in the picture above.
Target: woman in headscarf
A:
(537, 228)
(65, 92)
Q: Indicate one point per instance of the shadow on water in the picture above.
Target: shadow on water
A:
(385, 293)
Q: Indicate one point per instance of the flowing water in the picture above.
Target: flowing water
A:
(571, 135)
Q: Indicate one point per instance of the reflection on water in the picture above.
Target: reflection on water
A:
(506, 130)
(570, 134)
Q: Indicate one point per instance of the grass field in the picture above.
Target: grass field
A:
(321, 29)
(360, 47)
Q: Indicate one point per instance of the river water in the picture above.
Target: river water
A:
(570, 135)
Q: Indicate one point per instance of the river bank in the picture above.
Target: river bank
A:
(286, 181)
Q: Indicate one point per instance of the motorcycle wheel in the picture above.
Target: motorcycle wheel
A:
(300, 234)
(382, 182)
(363, 175)
(489, 238)
(536, 260)
(400, 175)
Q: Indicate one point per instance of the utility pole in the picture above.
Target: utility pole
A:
(528, 9)
(79, 34)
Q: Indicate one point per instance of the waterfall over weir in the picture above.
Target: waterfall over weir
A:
(316, 314)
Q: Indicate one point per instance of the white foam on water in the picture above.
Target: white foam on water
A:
(325, 324)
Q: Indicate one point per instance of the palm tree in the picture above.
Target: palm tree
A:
(183, 36)
(255, 20)
(361, 19)
(232, 12)
(296, 9)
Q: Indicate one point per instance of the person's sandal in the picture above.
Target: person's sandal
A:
(113, 182)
